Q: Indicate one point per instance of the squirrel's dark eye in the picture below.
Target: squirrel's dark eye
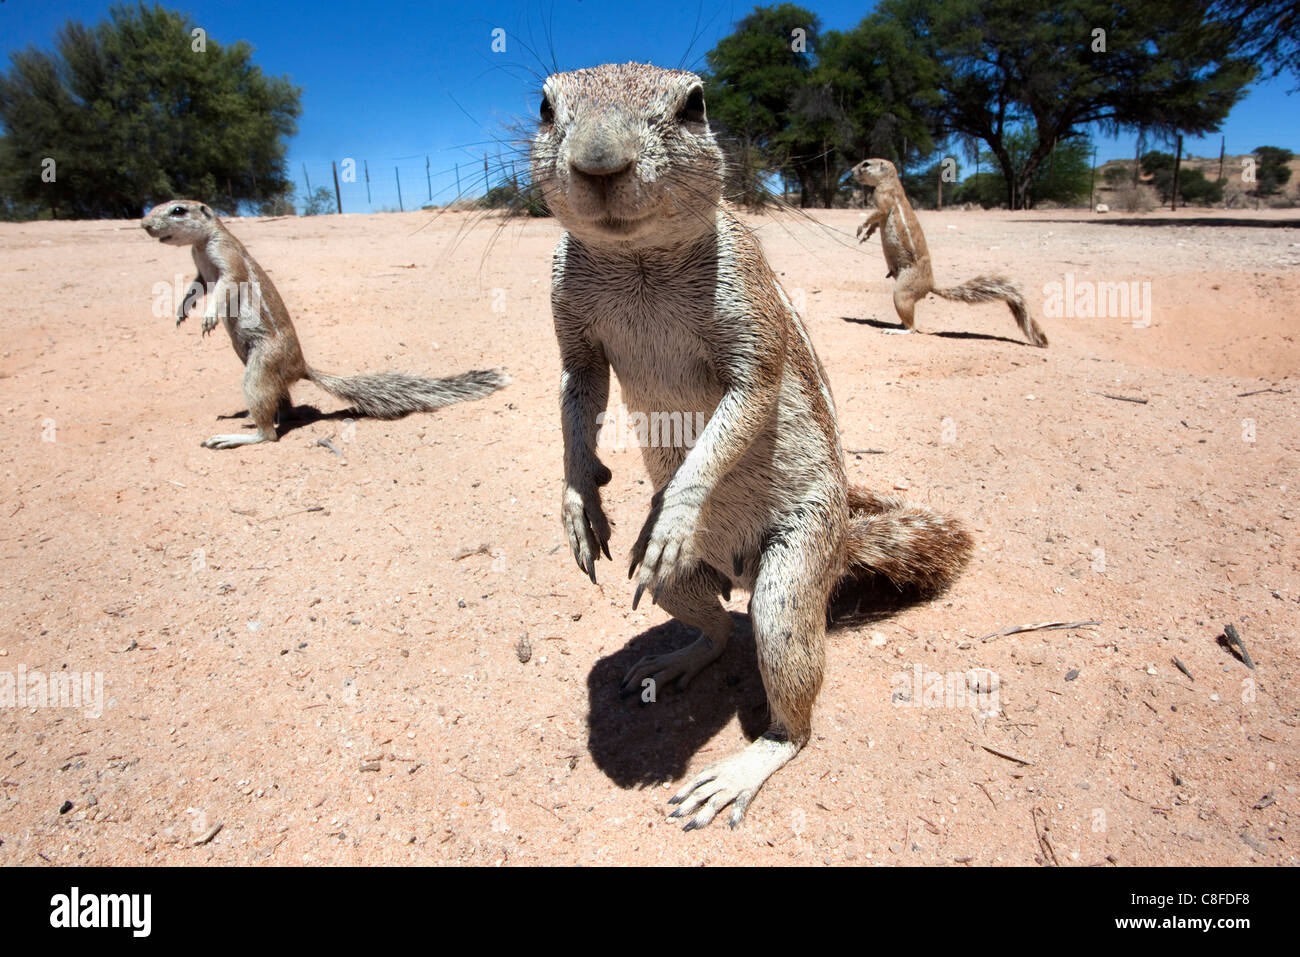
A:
(692, 110)
(178, 210)
(547, 111)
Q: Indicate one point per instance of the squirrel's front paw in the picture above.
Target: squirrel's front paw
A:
(586, 526)
(209, 323)
(666, 546)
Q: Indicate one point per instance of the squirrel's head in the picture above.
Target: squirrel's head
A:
(179, 222)
(873, 172)
(624, 155)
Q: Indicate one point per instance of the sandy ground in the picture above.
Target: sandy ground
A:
(320, 652)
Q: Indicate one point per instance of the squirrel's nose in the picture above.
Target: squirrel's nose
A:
(602, 166)
(600, 152)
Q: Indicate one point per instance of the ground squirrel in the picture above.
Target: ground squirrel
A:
(243, 296)
(908, 257)
(656, 278)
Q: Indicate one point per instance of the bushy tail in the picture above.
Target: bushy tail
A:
(391, 395)
(991, 288)
(915, 549)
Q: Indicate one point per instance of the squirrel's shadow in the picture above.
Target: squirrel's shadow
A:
(898, 326)
(298, 416)
(640, 744)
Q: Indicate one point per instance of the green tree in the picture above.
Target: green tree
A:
(811, 144)
(1060, 65)
(922, 187)
(1268, 31)
(1064, 178)
(754, 76)
(281, 205)
(1271, 172)
(136, 110)
(887, 89)
(1194, 189)
(320, 202)
(988, 190)
(518, 198)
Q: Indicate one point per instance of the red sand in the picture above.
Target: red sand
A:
(319, 653)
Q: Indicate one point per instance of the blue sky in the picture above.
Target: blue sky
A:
(391, 83)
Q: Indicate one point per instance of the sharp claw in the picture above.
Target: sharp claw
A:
(637, 597)
(605, 548)
(591, 569)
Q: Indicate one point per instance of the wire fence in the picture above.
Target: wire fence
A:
(357, 185)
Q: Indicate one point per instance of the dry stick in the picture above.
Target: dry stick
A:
(329, 445)
(1003, 754)
(1230, 631)
(1044, 844)
(1183, 668)
(209, 834)
(1044, 626)
(301, 511)
(1121, 398)
(1242, 395)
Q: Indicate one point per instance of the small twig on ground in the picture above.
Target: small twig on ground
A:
(1043, 626)
(301, 511)
(1242, 395)
(548, 810)
(866, 451)
(1121, 398)
(209, 834)
(483, 549)
(1230, 632)
(1043, 843)
(329, 445)
(1258, 846)
(1183, 668)
(1004, 754)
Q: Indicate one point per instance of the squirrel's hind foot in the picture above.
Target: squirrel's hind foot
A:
(732, 781)
(680, 666)
(234, 441)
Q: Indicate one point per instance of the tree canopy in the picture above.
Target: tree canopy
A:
(137, 109)
(1057, 67)
(1026, 78)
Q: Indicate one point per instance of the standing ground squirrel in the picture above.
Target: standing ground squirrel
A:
(908, 257)
(243, 296)
(657, 278)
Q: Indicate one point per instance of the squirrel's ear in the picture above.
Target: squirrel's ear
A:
(207, 213)
(692, 110)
